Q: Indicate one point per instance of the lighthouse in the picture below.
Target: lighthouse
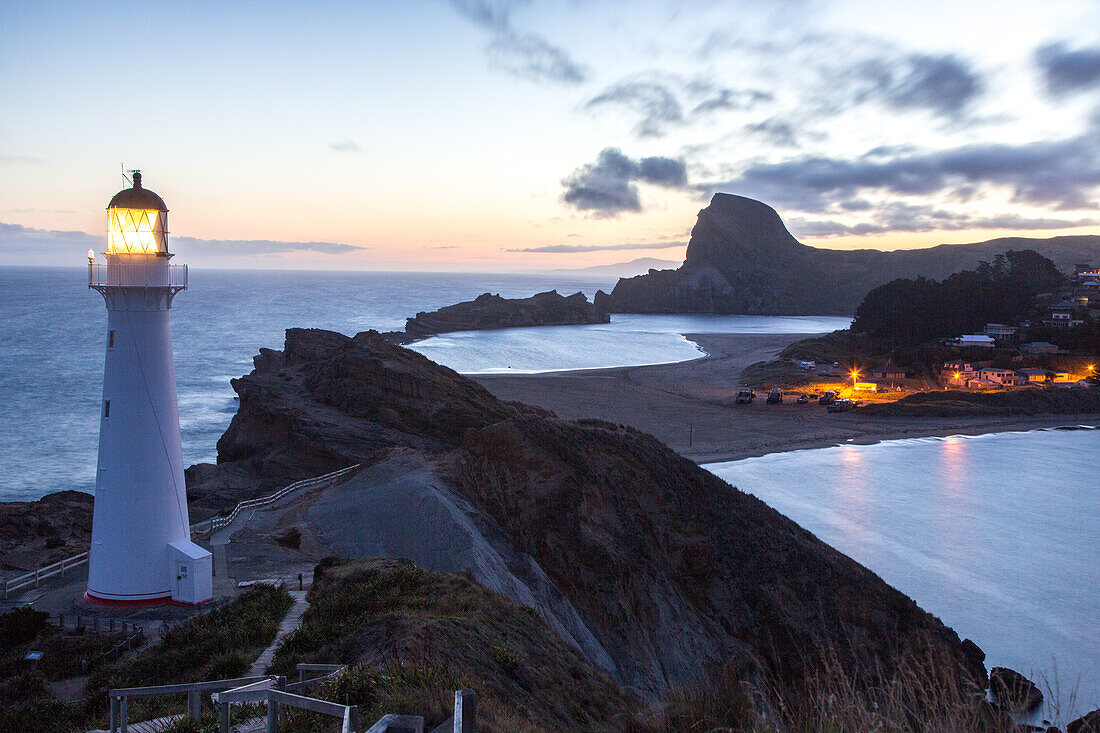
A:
(141, 551)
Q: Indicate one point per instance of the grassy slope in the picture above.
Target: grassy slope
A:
(219, 644)
(421, 635)
(1051, 401)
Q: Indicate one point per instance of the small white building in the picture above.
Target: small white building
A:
(999, 330)
(975, 339)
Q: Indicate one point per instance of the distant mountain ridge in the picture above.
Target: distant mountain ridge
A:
(742, 259)
(638, 266)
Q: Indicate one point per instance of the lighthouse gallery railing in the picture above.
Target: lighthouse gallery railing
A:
(154, 275)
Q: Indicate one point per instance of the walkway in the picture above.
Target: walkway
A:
(290, 622)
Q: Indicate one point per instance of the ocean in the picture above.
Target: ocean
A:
(52, 331)
(997, 535)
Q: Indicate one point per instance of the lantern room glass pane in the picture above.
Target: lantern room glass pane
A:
(136, 231)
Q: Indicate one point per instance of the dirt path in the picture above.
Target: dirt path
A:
(290, 623)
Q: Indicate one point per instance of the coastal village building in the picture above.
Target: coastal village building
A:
(1003, 377)
(141, 551)
(975, 339)
(1034, 376)
(889, 370)
(999, 330)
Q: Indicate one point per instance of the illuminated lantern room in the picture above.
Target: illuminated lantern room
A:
(137, 222)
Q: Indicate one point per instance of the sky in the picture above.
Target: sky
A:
(498, 135)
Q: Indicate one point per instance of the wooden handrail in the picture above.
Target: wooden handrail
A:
(34, 577)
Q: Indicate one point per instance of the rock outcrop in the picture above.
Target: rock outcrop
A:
(1013, 691)
(677, 574)
(742, 259)
(35, 533)
(1089, 723)
(489, 311)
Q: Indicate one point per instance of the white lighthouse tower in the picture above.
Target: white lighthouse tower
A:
(141, 552)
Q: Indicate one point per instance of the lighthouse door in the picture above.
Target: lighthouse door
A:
(183, 586)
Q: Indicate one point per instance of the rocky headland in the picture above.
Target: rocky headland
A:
(36, 533)
(660, 572)
(488, 311)
(742, 260)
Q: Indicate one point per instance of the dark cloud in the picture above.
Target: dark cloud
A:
(659, 100)
(565, 248)
(730, 99)
(777, 132)
(1064, 174)
(18, 239)
(1066, 70)
(607, 187)
(346, 146)
(656, 105)
(525, 55)
(532, 57)
(943, 84)
(911, 218)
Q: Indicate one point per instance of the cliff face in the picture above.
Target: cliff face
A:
(742, 259)
(677, 573)
(492, 311)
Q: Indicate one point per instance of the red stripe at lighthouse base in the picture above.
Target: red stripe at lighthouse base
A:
(139, 602)
(91, 597)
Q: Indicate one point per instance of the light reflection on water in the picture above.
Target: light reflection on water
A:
(998, 535)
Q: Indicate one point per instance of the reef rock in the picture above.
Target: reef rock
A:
(489, 311)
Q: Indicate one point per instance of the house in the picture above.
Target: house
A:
(1061, 316)
(958, 371)
(974, 339)
(889, 370)
(1003, 377)
(1039, 347)
(999, 330)
(1035, 375)
(981, 384)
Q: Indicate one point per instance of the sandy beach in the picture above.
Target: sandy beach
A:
(689, 405)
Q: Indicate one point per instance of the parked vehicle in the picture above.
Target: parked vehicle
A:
(745, 395)
(827, 399)
(841, 405)
(775, 396)
(803, 399)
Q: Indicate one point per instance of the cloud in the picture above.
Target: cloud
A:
(18, 239)
(659, 100)
(943, 84)
(730, 99)
(524, 55)
(249, 247)
(565, 248)
(1059, 173)
(655, 104)
(777, 132)
(532, 57)
(28, 159)
(1066, 71)
(913, 218)
(606, 188)
(346, 146)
